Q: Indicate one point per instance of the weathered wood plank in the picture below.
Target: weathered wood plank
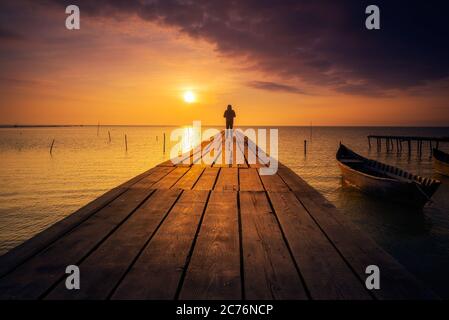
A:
(207, 179)
(157, 272)
(214, 269)
(358, 249)
(37, 275)
(188, 180)
(21, 253)
(193, 156)
(210, 154)
(324, 271)
(269, 269)
(274, 183)
(220, 160)
(151, 179)
(249, 180)
(103, 269)
(254, 152)
(170, 179)
(238, 156)
(240, 142)
(227, 180)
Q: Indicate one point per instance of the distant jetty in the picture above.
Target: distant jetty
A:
(390, 141)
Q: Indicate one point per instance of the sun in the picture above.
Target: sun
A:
(189, 97)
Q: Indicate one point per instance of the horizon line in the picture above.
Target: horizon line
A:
(3, 126)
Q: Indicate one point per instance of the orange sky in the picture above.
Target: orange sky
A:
(135, 72)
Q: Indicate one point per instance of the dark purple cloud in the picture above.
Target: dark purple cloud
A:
(322, 43)
(9, 35)
(272, 86)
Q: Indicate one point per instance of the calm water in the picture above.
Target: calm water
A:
(39, 189)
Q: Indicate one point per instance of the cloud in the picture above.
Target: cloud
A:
(272, 86)
(9, 35)
(322, 43)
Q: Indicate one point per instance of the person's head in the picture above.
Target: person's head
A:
(229, 107)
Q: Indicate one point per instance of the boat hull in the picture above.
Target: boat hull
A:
(396, 191)
(440, 166)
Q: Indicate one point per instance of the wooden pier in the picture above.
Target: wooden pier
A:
(196, 231)
(396, 141)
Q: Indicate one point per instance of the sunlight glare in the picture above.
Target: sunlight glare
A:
(189, 97)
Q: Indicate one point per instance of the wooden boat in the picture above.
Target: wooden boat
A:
(441, 162)
(383, 180)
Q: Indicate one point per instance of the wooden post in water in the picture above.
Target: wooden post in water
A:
(164, 142)
(98, 129)
(126, 143)
(51, 147)
(369, 143)
(305, 146)
(409, 147)
(418, 144)
(109, 134)
(310, 130)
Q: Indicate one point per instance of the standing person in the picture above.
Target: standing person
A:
(229, 114)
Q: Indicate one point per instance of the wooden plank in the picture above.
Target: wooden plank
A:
(214, 269)
(324, 271)
(157, 272)
(358, 249)
(167, 163)
(37, 275)
(255, 151)
(181, 159)
(274, 183)
(189, 179)
(103, 269)
(227, 180)
(193, 155)
(207, 179)
(238, 157)
(186, 155)
(151, 179)
(249, 180)
(206, 147)
(221, 157)
(294, 182)
(211, 152)
(170, 179)
(240, 142)
(269, 269)
(26, 250)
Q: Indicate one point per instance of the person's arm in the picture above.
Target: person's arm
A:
(224, 114)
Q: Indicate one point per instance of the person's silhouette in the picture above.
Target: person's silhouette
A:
(229, 114)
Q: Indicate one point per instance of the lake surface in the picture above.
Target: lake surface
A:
(38, 188)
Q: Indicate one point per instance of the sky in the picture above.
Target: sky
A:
(277, 62)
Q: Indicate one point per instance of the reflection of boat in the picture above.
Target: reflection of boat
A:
(377, 178)
(441, 162)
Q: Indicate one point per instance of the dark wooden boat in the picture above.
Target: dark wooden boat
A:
(383, 180)
(441, 162)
